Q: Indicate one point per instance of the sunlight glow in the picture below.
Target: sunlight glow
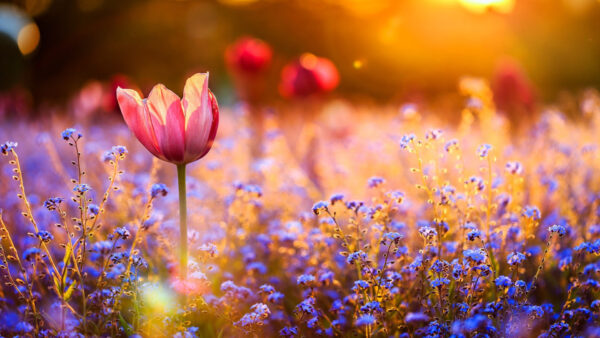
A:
(481, 6)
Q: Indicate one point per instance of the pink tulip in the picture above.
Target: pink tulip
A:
(174, 130)
(307, 76)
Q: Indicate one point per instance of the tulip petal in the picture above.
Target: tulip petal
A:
(201, 116)
(164, 108)
(132, 108)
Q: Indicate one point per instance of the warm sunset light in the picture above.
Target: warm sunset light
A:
(480, 6)
(308, 168)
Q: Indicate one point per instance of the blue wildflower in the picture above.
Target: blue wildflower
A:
(558, 229)
(158, 189)
(81, 188)
(7, 147)
(503, 282)
(483, 150)
(371, 307)
(71, 133)
(122, 232)
(439, 282)
(305, 279)
(31, 253)
(366, 319)
(320, 207)
(93, 209)
(357, 256)
(360, 285)
(45, 236)
(336, 198)
(288, 331)
(515, 258)
(52, 203)
(375, 181)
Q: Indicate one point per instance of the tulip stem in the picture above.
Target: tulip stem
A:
(183, 255)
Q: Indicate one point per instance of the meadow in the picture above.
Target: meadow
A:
(407, 226)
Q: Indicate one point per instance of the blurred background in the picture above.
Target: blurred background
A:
(384, 50)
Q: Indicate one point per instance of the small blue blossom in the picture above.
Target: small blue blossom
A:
(483, 150)
(336, 198)
(366, 319)
(503, 282)
(532, 212)
(158, 189)
(122, 233)
(305, 279)
(71, 133)
(320, 207)
(31, 253)
(360, 285)
(357, 256)
(515, 258)
(93, 209)
(7, 147)
(266, 289)
(473, 234)
(52, 203)
(80, 189)
(288, 331)
(371, 307)
(558, 229)
(439, 282)
(428, 233)
(375, 181)
(45, 236)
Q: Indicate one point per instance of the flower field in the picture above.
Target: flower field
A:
(365, 220)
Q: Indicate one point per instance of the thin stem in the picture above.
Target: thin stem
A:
(183, 259)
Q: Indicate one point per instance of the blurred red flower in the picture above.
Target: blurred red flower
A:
(248, 55)
(513, 92)
(308, 75)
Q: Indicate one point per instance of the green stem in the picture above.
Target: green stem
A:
(182, 221)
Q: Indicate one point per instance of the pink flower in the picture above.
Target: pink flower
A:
(193, 285)
(174, 130)
(248, 55)
(308, 75)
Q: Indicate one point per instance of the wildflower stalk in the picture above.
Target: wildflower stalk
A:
(183, 259)
(30, 299)
(540, 267)
(82, 219)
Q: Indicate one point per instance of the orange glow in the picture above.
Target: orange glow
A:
(28, 38)
(480, 6)
(308, 60)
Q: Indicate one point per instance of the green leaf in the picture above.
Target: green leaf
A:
(69, 291)
(57, 285)
(125, 325)
(66, 260)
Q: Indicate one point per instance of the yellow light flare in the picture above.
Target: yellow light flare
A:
(481, 6)
(308, 60)
(28, 38)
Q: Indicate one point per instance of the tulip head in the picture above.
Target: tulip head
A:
(248, 56)
(308, 75)
(175, 130)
